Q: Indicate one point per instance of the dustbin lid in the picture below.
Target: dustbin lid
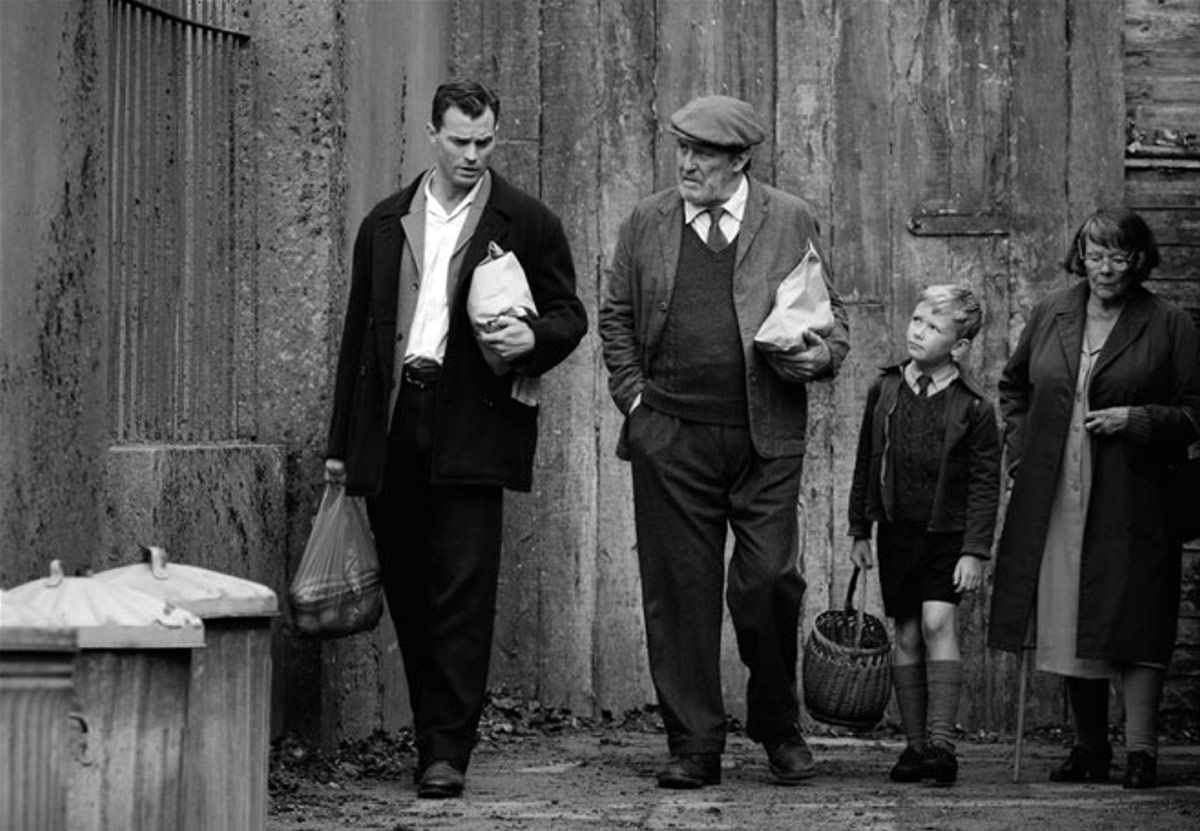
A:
(201, 591)
(23, 629)
(107, 616)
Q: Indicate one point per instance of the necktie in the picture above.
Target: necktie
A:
(716, 237)
(923, 382)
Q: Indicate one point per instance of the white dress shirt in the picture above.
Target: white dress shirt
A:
(431, 318)
(938, 380)
(731, 219)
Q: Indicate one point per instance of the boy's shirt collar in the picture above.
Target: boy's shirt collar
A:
(942, 378)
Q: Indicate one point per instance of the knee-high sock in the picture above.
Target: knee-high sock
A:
(908, 680)
(1089, 710)
(1142, 687)
(945, 684)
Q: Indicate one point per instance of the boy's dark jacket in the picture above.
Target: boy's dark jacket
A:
(968, 484)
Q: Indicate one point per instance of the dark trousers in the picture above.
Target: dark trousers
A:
(439, 550)
(689, 481)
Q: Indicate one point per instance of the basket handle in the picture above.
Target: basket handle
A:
(858, 613)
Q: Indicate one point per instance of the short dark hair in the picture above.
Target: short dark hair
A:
(1118, 228)
(472, 97)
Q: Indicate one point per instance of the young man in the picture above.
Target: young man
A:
(410, 362)
(928, 472)
(715, 433)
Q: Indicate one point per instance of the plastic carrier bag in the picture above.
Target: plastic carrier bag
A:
(337, 590)
(801, 302)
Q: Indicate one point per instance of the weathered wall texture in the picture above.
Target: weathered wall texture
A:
(936, 141)
(53, 288)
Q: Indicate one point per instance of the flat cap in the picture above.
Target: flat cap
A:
(717, 120)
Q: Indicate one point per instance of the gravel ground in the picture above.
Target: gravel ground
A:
(551, 772)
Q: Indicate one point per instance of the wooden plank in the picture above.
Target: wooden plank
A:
(1096, 148)
(498, 44)
(716, 47)
(950, 168)
(566, 462)
(1041, 232)
(1162, 48)
(861, 197)
(628, 129)
(1174, 227)
(1158, 188)
(805, 54)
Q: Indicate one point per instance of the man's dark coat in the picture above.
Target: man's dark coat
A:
(483, 435)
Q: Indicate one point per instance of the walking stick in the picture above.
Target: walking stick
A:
(1021, 687)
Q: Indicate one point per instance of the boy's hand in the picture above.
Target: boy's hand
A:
(861, 554)
(968, 574)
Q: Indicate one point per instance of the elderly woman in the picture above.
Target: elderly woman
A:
(1100, 400)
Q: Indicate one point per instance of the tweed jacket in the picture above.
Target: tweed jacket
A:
(967, 493)
(483, 436)
(776, 230)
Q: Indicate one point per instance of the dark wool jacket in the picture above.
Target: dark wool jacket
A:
(968, 486)
(482, 435)
(1130, 570)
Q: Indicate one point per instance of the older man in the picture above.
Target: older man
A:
(715, 433)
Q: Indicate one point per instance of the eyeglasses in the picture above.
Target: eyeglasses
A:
(1119, 262)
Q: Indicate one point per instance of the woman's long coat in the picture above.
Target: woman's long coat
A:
(1130, 569)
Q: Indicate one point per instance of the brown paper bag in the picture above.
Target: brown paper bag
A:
(498, 287)
(801, 302)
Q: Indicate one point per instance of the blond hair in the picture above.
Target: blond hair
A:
(959, 302)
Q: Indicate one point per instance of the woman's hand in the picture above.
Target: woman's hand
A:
(861, 554)
(1111, 421)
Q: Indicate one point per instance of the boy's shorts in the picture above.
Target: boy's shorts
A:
(914, 566)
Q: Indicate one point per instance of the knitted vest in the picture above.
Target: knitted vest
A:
(918, 432)
(699, 373)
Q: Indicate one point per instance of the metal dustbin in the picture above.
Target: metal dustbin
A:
(132, 677)
(36, 662)
(227, 748)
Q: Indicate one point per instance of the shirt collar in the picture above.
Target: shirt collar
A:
(940, 379)
(735, 206)
(432, 203)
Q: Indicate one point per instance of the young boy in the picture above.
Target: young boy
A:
(928, 472)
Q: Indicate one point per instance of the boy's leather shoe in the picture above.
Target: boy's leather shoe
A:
(686, 771)
(1083, 765)
(940, 765)
(1141, 770)
(789, 758)
(909, 766)
(441, 780)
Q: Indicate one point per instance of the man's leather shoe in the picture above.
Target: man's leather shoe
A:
(909, 767)
(789, 758)
(441, 780)
(941, 765)
(686, 771)
(1141, 770)
(1083, 765)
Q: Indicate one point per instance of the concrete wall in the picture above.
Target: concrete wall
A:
(53, 285)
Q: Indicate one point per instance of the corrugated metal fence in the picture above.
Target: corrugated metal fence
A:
(173, 70)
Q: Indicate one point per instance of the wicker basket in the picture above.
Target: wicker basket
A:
(848, 666)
